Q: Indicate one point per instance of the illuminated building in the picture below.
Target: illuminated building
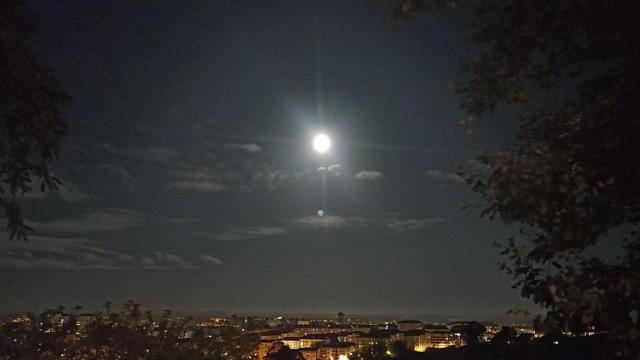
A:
(312, 341)
(431, 337)
(320, 350)
(315, 330)
(415, 340)
(339, 351)
(364, 341)
(362, 328)
(407, 325)
(305, 342)
(440, 337)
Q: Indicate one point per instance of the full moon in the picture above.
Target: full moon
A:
(321, 143)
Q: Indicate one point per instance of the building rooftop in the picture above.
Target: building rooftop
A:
(414, 333)
(339, 345)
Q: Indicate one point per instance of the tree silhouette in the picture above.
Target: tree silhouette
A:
(506, 335)
(285, 353)
(115, 335)
(471, 332)
(31, 116)
(567, 73)
(374, 352)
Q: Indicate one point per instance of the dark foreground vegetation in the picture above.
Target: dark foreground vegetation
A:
(593, 347)
(126, 334)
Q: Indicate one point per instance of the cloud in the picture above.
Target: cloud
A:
(119, 174)
(248, 148)
(249, 232)
(368, 175)
(207, 186)
(68, 192)
(71, 192)
(449, 176)
(206, 258)
(336, 222)
(153, 153)
(331, 169)
(196, 180)
(78, 254)
(327, 221)
(163, 260)
(245, 176)
(111, 220)
(267, 178)
(182, 220)
(412, 224)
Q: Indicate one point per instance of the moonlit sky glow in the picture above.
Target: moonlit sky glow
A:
(191, 183)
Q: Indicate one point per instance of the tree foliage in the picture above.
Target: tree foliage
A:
(505, 336)
(374, 352)
(567, 72)
(471, 332)
(126, 334)
(285, 353)
(31, 115)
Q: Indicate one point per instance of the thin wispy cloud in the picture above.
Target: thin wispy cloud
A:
(243, 178)
(247, 148)
(249, 232)
(159, 154)
(196, 180)
(103, 221)
(326, 221)
(182, 220)
(269, 179)
(208, 259)
(413, 224)
(396, 222)
(55, 253)
(118, 174)
(206, 186)
(162, 260)
(369, 175)
(71, 192)
(443, 175)
(67, 192)
(334, 169)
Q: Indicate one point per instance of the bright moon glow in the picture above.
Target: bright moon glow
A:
(321, 143)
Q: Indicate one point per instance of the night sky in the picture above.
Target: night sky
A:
(191, 183)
